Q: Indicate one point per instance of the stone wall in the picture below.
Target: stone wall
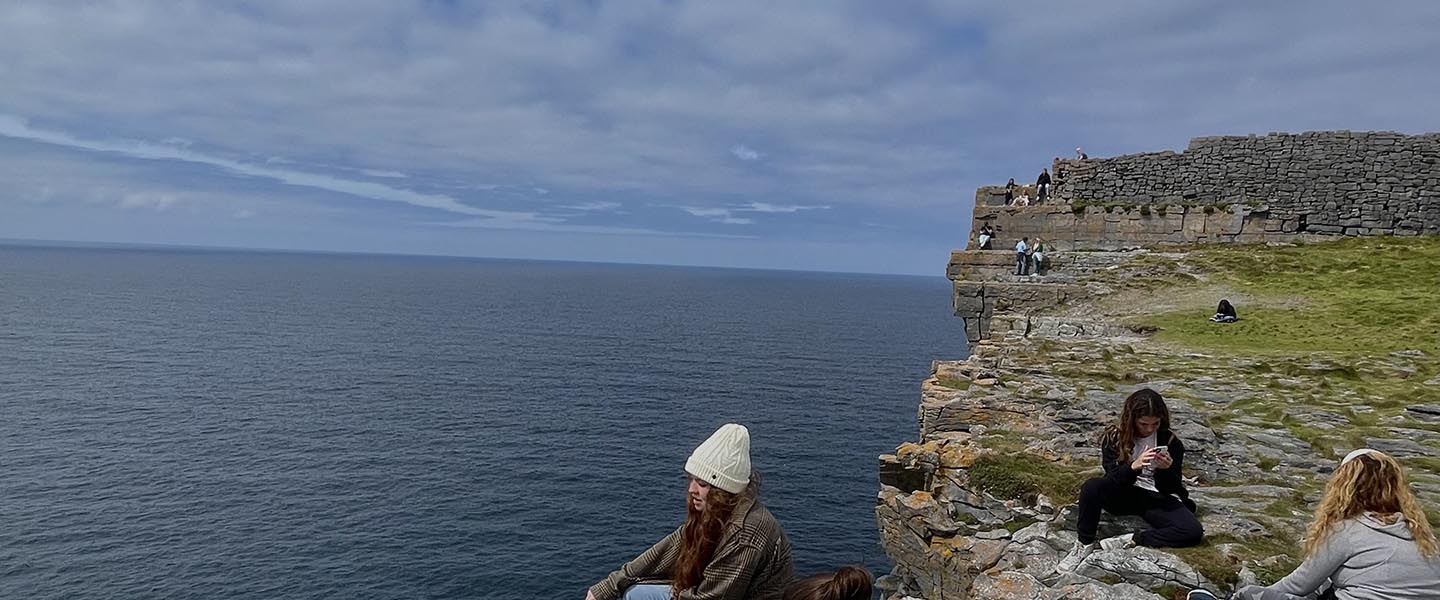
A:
(1332, 182)
(1119, 227)
(977, 302)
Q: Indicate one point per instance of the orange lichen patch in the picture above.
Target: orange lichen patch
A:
(918, 501)
(958, 456)
(951, 546)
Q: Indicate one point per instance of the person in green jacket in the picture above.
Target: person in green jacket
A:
(730, 546)
(1037, 256)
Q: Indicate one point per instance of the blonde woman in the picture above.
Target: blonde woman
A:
(1369, 540)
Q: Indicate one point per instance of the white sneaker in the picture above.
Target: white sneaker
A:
(1119, 542)
(1077, 555)
(1201, 595)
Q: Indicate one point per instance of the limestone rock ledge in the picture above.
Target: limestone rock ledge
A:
(982, 505)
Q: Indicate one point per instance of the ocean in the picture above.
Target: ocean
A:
(226, 424)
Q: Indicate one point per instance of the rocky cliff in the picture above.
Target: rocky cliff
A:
(1340, 352)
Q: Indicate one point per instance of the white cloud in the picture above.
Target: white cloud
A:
(743, 152)
(383, 173)
(158, 202)
(718, 215)
(593, 229)
(15, 127)
(763, 207)
(593, 206)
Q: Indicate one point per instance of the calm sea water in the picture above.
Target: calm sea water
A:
(178, 424)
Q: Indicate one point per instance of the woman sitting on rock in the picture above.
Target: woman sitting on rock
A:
(986, 234)
(1142, 459)
(1369, 540)
(730, 546)
(849, 583)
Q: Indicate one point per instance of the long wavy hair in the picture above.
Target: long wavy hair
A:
(849, 583)
(1374, 483)
(1144, 402)
(702, 532)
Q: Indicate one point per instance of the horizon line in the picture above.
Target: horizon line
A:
(102, 245)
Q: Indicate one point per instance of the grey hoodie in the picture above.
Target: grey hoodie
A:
(1364, 559)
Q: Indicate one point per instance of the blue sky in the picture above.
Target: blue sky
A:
(844, 136)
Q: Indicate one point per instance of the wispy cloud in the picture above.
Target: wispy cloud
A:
(727, 215)
(593, 229)
(744, 152)
(718, 215)
(593, 206)
(383, 173)
(155, 201)
(762, 207)
(15, 127)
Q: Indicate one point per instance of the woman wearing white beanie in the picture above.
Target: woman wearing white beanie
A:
(730, 546)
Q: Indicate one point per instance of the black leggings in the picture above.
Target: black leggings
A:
(1174, 526)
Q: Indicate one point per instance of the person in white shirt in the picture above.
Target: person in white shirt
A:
(1142, 459)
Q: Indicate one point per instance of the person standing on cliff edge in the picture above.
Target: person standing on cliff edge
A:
(1022, 256)
(730, 546)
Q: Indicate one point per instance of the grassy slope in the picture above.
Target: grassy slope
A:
(1356, 296)
(1347, 303)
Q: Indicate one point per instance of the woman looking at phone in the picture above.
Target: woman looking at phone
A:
(1142, 458)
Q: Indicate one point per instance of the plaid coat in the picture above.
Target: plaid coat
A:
(752, 561)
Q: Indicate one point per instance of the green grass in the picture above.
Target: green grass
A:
(1171, 591)
(954, 383)
(1361, 295)
(1215, 566)
(1021, 476)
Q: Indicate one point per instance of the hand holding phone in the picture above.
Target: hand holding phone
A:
(1162, 458)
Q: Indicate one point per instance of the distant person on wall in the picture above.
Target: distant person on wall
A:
(1022, 200)
(1142, 458)
(1225, 313)
(1042, 186)
(1010, 192)
(986, 234)
(1080, 154)
(1037, 256)
(729, 548)
(849, 583)
(1369, 540)
(1022, 249)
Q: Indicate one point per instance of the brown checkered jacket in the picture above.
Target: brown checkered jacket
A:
(752, 561)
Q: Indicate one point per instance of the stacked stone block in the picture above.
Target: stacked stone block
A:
(1328, 182)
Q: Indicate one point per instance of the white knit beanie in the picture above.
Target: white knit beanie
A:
(723, 460)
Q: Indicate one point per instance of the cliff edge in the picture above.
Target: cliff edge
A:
(1337, 347)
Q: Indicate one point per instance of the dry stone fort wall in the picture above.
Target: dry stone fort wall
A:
(1235, 189)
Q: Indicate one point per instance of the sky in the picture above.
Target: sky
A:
(827, 135)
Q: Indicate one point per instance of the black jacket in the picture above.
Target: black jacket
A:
(1043, 179)
(1117, 468)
